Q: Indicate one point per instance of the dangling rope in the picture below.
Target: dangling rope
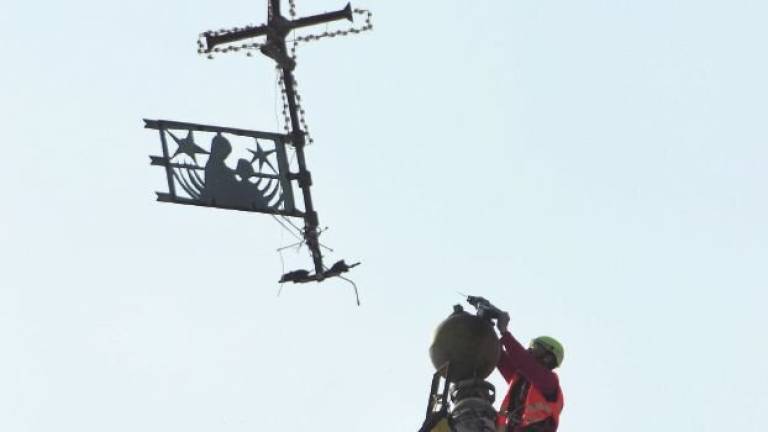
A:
(354, 286)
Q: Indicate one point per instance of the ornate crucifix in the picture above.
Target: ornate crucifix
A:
(249, 186)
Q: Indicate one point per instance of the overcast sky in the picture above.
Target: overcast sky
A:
(597, 168)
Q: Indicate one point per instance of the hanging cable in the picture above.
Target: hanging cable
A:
(287, 229)
(354, 285)
(291, 224)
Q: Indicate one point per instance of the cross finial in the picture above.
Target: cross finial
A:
(276, 31)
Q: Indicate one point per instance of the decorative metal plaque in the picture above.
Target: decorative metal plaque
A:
(228, 168)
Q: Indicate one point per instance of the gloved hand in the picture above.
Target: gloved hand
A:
(502, 322)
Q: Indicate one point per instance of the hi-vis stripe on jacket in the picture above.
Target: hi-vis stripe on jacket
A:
(535, 409)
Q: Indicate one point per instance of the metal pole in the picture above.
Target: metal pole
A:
(305, 179)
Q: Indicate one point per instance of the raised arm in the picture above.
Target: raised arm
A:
(506, 365)
(538, 375)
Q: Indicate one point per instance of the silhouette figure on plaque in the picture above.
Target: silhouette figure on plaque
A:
(233, 188)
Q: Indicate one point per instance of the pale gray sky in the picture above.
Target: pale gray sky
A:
(598, 168)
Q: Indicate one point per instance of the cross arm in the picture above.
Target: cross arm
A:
(278, 26)
(323, 18)
(213, 40)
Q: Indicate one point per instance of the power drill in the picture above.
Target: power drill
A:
(485, 309)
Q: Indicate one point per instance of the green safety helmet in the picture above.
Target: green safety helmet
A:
(552, 346)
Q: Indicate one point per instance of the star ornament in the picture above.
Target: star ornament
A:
(187, 146)
(262, 156)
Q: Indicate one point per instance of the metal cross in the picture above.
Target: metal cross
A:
(276, 30)
(251, 187)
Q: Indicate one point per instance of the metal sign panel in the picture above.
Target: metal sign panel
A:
(227, 168)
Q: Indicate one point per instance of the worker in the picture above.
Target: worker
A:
(534, 400)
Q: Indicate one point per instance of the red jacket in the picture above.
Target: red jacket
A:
(534, 391)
